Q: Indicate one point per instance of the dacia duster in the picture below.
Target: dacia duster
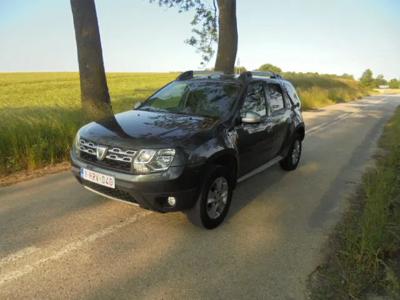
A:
(187, 146)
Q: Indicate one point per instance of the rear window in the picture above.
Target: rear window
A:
(275, 97)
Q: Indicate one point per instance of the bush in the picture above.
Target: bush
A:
(394, 84)
(239, 70)
(270, 68)
(319, 90)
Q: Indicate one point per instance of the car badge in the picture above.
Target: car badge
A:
(101, 152)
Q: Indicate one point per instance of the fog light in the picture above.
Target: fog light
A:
(171, 201)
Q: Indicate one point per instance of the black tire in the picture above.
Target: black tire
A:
(199, 214)
(289, 163)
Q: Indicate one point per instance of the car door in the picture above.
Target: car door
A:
(255, 140)
(280, 116)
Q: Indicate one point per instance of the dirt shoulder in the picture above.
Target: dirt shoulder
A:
(27, 175)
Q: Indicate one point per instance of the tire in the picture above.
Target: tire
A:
(291, 161)
(211, 214)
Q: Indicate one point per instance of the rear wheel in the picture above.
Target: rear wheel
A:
(292, 159)
(214, 199)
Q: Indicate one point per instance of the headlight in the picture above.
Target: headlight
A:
(76, 145)
(149, 160)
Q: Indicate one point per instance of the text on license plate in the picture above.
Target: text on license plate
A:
(98, 178)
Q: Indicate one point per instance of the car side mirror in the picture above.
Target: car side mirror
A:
(251, 118)
(137, 104)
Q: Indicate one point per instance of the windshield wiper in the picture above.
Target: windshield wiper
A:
(152, 109)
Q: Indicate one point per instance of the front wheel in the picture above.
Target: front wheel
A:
(292, 159)
(214, 199)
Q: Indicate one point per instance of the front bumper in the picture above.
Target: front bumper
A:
(150, 191)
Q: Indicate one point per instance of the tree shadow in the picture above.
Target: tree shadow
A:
(29, 214)
(251, 188)
(177, 268)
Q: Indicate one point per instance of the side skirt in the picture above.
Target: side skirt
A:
(260, 169)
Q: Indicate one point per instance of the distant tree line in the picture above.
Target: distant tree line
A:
(272, 68)
(368, 80)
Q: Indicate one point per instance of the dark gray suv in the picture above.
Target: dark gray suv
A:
(187, 146)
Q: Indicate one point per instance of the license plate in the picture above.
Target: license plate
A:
(102, 179)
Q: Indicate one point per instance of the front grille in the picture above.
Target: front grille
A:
(114, 157)
(116, 193)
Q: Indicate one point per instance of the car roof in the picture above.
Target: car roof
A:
(242, 79)
(230, 80)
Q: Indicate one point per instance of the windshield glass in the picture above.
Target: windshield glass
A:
(210, 99)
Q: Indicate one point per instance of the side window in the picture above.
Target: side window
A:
(255, 100)
(286, 97)
(275, 97)
(292, 93)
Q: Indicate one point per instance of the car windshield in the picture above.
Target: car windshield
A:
(203, 98)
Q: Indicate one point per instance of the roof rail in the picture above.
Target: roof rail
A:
(191, 74)
(251, 74)
(185, 75)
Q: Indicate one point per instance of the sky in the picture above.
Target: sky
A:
(339, 36)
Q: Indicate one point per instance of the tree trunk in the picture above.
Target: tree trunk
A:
(95, 98)
(227, 37)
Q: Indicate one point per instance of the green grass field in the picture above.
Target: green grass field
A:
(40, 112)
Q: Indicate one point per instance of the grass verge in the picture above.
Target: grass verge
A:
(364, 253)
(318, 90)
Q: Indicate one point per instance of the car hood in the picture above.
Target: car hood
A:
(141, 129)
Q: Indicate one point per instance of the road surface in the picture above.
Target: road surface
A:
(58, 240)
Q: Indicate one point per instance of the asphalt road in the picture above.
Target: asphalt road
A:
(58, 240)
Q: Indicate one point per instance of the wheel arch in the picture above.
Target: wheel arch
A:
(226, 158)
(300, 130)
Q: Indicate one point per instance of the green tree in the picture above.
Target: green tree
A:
(204, 24)
(367, 79)
(207, 21)
(380, 80)
(95, 98)
(347, 76)
(270, 68)
(239, 70)
(394, 84)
